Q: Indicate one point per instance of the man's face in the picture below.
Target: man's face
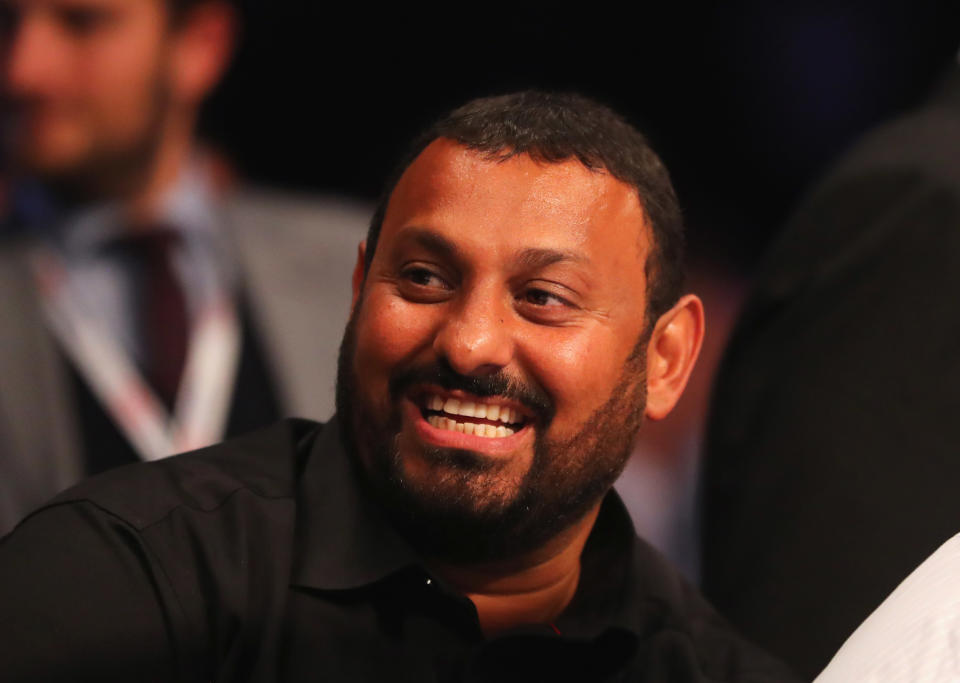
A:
(83, 83)
(492, 375)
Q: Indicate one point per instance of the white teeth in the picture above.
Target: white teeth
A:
(484, 430)
(489, 411)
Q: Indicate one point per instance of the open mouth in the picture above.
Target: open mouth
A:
(488, 418)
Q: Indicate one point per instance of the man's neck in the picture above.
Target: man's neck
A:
(532, 589)
(137, 190)
(142, 206)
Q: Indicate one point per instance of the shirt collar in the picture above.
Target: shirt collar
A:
(345, 541)
(624, 583)
(189, 206)
(627, 583)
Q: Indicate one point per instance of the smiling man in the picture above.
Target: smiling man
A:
(516, 315)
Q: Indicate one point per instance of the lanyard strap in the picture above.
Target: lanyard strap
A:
(203, 398)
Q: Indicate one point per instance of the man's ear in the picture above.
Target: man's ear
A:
(358, 273)
(203, 45)
(671, 354)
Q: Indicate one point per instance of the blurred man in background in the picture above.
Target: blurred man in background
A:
(148, 306)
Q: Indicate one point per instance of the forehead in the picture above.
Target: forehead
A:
(518, 203)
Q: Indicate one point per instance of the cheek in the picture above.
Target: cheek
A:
(122, 78)
(390, 332)
(578, 371)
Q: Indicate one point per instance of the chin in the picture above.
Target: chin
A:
(49, 163)
(48, 146)
(455, 480)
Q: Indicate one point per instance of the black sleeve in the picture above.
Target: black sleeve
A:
(81, 600)
(833, 450)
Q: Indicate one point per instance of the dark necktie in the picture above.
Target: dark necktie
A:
(163, 320)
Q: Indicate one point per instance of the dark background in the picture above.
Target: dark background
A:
(746, 102)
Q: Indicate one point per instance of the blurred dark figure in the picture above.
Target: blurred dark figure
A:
(833, 449)
(148, 305)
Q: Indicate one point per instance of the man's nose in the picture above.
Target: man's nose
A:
(32, 57)
(476, 337)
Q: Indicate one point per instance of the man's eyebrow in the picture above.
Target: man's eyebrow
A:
(534, 258)
(528, 259)
(430, 240)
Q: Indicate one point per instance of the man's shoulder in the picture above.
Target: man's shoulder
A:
(899, 184)
(16, 280)
(684, 615)
(917, 142)
(263, 464)
(917, 145)
(285, 214)
(296, 255)
(14, 256)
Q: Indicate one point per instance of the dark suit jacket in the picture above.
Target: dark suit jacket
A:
(833, 449)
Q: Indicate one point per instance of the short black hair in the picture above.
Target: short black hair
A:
(555, 127)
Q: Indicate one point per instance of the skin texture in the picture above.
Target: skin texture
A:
(524, 281)
(101, 96)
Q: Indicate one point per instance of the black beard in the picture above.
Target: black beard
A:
(566, 478)
(107, 172)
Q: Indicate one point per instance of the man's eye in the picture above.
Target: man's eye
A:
(540, 297)
(423, 285)
(424, 278)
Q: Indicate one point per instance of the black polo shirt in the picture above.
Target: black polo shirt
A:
(262, 559)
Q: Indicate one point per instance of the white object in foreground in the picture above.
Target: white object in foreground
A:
(914, 635)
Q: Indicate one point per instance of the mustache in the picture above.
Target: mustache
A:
(496, 384)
